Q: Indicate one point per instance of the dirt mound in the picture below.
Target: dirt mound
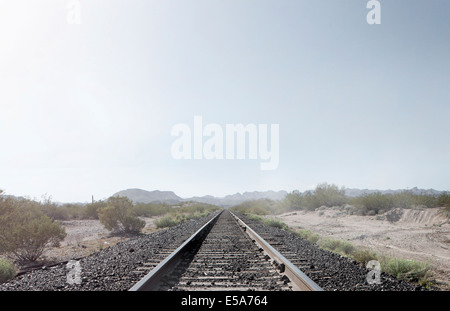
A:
(425, 216)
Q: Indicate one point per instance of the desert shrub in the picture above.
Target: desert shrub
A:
(347, 248)
(63, 212)
(256, 207)
(425, 200)
(377, 203)
(7, 270)
(443, 200)
(254, 217)
(194, 215)
(117, 216)
(323, 195)
(328, 195)
(25, 231)
(268, 221)
(337, 246)
(293, 201)
(151, 209)
(329, 244)
(363, 256)
(408, 199)
(195, 208)
(411, 270)
(54, 211)
(275, 223)
(308, 235)
(91, 209)
(446, 211)
(75, 211)
(187, 211)
(372, 203)
(166, 221)
(132, 224)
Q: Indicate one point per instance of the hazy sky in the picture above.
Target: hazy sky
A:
(87, 109)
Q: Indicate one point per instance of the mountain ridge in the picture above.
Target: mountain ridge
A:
(157, 196)
(169, 197)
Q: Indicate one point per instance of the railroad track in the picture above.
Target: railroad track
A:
(225, 254)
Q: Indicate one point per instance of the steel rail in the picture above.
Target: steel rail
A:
(151, 280)
(301, 280)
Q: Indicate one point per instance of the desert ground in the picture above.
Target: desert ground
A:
(84, 237)
(418, 234)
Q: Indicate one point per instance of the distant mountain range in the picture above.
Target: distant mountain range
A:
(144, 196)
(169, 197)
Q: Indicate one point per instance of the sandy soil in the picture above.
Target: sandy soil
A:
(419, 234)
(87, 236)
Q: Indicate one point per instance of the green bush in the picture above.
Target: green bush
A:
(337, 246)
(275, 223)
(328, 195)
(329, 244)
(54, 211)
(323, 195)
(363, 256)
(91, 209)
(309, 235)
(151, 209)
(411, 270)
(117, 216)
(62, 212)
(294, 201)
(347, 248)
(195, 208)
(408, 199)
(174, 215)
(444, 201)
(25, 231)
(256, 207)
(374, 202)
(166, 221)
(268, 221)
(7, 270)
(254, 217)
(377, 203)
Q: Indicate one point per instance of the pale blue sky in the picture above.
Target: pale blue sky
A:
(88, 109)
